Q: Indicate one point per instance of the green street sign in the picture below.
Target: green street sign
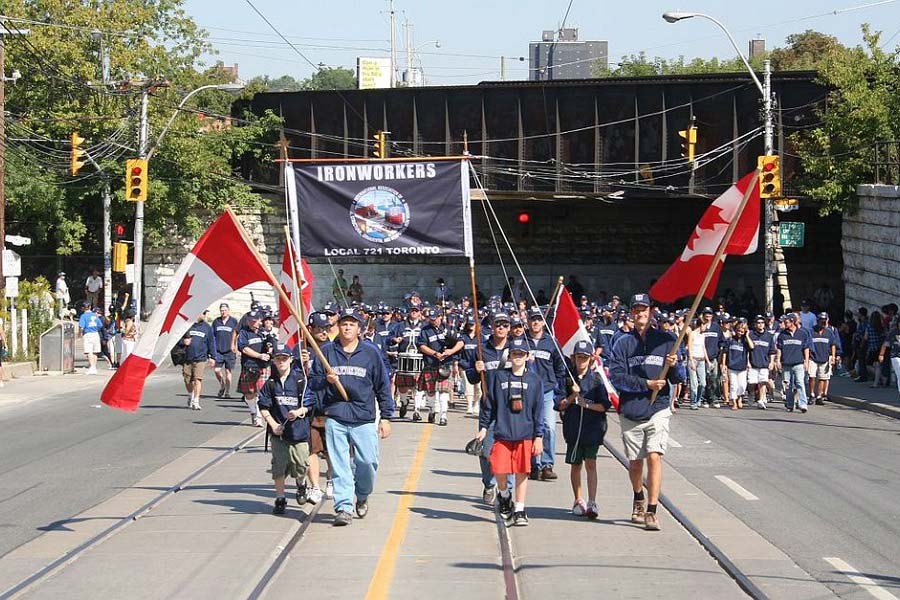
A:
(791, 234)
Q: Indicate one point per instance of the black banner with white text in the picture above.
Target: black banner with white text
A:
(408, 208)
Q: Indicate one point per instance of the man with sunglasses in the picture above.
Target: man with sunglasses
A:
(548, 364)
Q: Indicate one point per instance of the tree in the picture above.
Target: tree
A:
(805, 51)
(331, 78)
(639, 65)
(863, 107)
(61, 91)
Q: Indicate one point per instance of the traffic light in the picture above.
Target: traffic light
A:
(119, 257)
(524, 221)
(118, 230)
(380, 150)
(76, 154)
(688, 142)
(136, 179)
(770, 177)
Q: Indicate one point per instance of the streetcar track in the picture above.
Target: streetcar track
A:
(507, 560)
(73, 555)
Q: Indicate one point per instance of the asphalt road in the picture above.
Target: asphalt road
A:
(827, 484)
(65, 453)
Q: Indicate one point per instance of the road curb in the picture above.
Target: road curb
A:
(876, 407)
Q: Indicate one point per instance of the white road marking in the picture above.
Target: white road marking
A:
(736, 488)
(861, 580)
(674, 444)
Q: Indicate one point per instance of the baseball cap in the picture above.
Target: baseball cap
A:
(330, 308)
(254, 314)
(515, 321)
(707, 310)
(349, 313)
(640, 300)
(282, 350)
(415, 307)
(500, 317)
(583, 347)
(518, 345)
(759, 318)
(822, 316)
(223, 305)
(432, 313)
(535, 313)
(318, 319)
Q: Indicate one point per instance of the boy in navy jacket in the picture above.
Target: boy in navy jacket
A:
(515, 408)
(281, 406)
(584, 426)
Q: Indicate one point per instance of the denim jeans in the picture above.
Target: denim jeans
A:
(697, 382)
(795, 380)
(547, 457)
(360, 477)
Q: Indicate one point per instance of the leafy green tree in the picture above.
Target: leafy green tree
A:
(805, 51)
(862, 108)
(61, 91)
(331, 78)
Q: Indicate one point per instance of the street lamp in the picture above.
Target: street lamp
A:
(145, 153)
(766, 90)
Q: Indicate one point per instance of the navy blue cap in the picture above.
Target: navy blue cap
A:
(500, 317)
(823, 316)
(432, 313)
(413, 307)
(318, 319)
(726, 318)
(583, 347)
(535, 313)
(607, 308)
(282, 350)
(515, 321)
(349, 313)
(759, 318)
(518, 345)
(254, 314)
(330, 308)
(640, 300)
(707, 310)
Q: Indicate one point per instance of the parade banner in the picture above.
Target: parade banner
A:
(390, 209)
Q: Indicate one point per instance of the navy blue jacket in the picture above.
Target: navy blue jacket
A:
(255, 341)
(633, 361)
(224, 330)
(494, 360)
(583, 426)
(792, 346)
(525, 425)
(203, 345)
(280, 398)
(738, 354)
(433, 338)
(713, 339)
(763, 349)
(549, 364)
(365, 377)
(821, 343)
(603, 334)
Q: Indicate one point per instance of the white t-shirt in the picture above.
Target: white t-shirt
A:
(62, 289)
(93, 284)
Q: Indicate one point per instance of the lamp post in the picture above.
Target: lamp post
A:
(145, 152)
(765, 88)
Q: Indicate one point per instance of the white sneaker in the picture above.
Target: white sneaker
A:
(329, 490)
(91, 371)
(195, 405)
(314, 495)
(579, 508)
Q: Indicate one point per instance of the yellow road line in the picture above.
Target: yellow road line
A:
(380, 585)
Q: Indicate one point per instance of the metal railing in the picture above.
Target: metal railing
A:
(887, 162)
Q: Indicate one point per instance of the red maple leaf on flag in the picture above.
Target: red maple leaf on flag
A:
(181, 298)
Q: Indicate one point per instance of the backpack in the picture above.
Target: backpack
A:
(178, 354)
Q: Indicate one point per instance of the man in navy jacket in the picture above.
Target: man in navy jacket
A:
(635, 369)
(360, 368)
(200, 348)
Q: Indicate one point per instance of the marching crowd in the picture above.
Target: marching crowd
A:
(333, 400)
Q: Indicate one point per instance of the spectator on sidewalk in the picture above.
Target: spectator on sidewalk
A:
(90, 324)
(339, 288)
(129, 335)
(861, 344)
(875, 339)
(355, 292)
(891, 348)
(92, 287)
(62, 294)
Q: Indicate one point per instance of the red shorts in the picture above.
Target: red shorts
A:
(511, 457)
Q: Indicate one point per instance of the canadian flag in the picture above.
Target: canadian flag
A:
(569, 329)
(288, 328)
(221, 261)
(685, 276)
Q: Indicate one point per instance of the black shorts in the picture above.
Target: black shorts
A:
(225, 360)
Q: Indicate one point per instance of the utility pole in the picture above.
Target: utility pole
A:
(3, 81)
(409, 47)
(774, 257)
(393, 48)
(138, 280)
(502, 68)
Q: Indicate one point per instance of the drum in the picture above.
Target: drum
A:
(409, 363)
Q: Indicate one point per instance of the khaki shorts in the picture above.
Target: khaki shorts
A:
(289, 459)
(91, 342)
(193, 371)
(643, 438)
(819, 370)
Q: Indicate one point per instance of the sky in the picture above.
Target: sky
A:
(474, 34)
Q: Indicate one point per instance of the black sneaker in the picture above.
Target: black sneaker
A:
(403, 409)
(280, 506)
(431, 416)
(505, 505)
(820, 401)
(488, 495)
(803, 410)
(443, 422)
(416, 416)
(302, 495)
(342, 519)
(362, 508)
(535, 474)
(520, 519)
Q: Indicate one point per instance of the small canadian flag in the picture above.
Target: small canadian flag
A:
(685, 276)
(288, 328)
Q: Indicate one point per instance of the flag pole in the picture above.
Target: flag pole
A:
(298, 297)
(479, 345)
(552, 300)
(709, 273)
(287, 301)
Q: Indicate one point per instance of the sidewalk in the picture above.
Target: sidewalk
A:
(885, 401)
(427, 535)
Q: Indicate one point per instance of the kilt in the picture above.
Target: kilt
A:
(431, 382)
(405, 381)
(251, 382)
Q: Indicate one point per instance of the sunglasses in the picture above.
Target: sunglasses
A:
(501, 325)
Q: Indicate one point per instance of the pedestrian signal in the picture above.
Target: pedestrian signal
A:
(769, 177)
(136, 179)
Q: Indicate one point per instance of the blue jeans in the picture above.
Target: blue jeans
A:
(364, 438)
(548, 456)
(698, 382)
(795, 376)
